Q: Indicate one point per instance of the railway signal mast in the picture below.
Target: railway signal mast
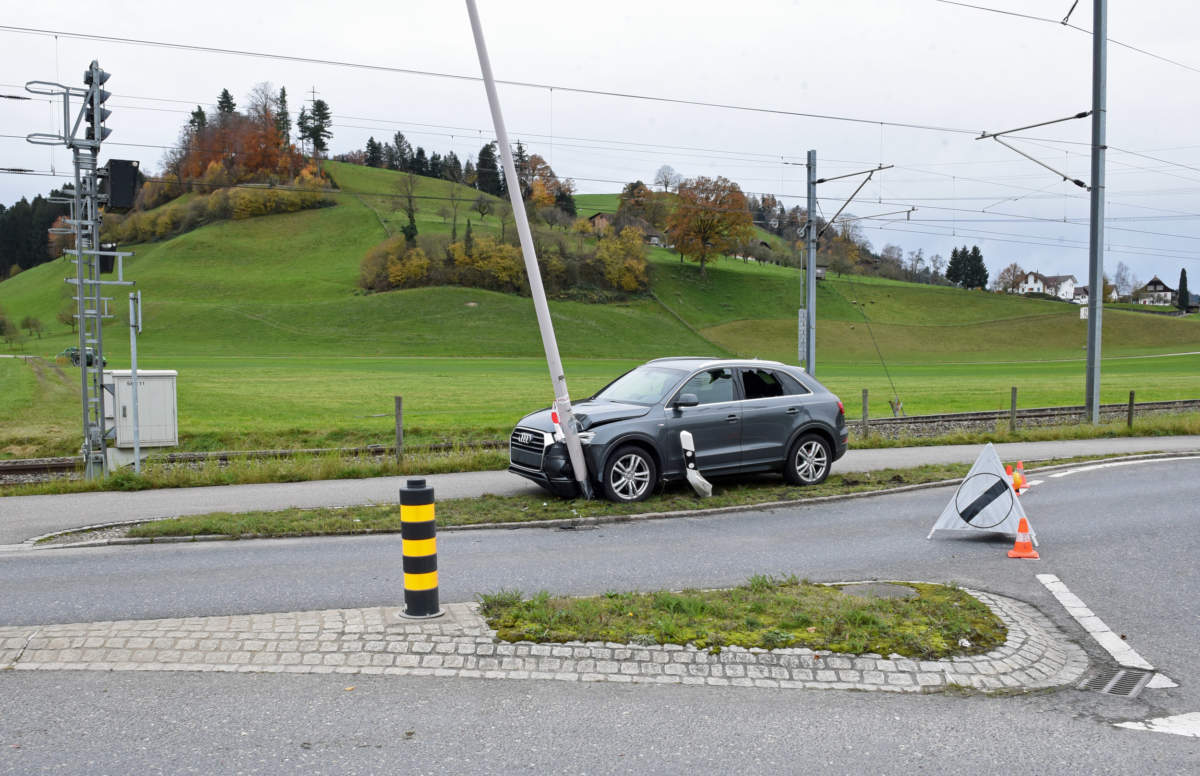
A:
(83, 133)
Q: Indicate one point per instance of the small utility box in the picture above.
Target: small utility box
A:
(158, 420)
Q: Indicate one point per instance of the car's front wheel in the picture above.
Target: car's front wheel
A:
(808, 461)
(629, 475)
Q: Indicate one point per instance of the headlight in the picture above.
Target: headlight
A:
(586, 437)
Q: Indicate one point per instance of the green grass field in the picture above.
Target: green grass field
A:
(276, 346)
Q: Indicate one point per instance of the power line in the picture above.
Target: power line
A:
(476, 79)
(1065, 23)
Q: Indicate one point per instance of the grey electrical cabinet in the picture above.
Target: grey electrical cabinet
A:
(158, 422)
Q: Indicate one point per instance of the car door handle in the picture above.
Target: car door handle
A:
(731, 418)
(792, 410)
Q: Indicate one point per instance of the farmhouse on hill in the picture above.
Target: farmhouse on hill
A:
(1062, 286)
(1155, 292)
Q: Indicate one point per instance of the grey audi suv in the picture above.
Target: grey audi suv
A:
(745, 415)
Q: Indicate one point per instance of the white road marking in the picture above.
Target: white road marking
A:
(1031, 483)
(1113, 464)
(1180, 725)
(1121, 652)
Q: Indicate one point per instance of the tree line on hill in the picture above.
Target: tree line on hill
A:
(24, 231)
(540, 186)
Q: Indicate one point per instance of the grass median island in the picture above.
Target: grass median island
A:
(498, 510)
(767, 612)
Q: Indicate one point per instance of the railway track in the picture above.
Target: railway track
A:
(29, 469)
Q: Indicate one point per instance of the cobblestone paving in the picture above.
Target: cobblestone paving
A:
(459, 644)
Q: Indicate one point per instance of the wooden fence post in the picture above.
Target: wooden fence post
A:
(399, 427)
(866, 429)
(1130, 420)
(1012, 413)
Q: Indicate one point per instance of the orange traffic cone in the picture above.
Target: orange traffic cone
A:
(1023, 547)
(1012, 477)
(1021, 473)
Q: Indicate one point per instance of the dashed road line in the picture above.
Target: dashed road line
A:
(1180, 725)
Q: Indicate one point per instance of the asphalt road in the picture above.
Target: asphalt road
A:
(1123, 538)
(25, 517)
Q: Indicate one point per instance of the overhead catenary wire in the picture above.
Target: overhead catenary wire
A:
(474, 79)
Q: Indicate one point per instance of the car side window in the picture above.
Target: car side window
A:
(711, 386)
(791, 385)
(761, 384)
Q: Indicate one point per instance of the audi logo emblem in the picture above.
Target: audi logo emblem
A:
(524, 438)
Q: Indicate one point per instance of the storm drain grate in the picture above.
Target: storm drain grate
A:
(1127, 682)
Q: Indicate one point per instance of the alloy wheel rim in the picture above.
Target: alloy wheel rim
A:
(811, 461)
(630, 476)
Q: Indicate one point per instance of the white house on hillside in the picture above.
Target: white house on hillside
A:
(1155, 292)
(1062, 286)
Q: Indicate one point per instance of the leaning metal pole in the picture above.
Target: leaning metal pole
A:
(1096, 228)
(810, 274)
(562, 399)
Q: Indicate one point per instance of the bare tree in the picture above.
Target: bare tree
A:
(407, 186)
(505, 214)
(937, 264)
(667, 177)
(482, 206)
(1123, 279)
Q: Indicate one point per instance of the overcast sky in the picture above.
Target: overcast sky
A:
(905, 61)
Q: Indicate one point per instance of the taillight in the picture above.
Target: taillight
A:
(841, 408)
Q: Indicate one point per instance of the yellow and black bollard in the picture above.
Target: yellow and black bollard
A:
(418, 532)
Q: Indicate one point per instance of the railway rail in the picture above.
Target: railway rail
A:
(912, 425)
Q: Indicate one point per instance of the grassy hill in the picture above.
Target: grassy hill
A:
(276, 346)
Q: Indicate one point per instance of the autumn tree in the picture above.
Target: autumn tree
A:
(624, 259)
(709, 219)
(1009, 279)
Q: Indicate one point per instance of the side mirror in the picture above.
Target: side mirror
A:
(686, 400)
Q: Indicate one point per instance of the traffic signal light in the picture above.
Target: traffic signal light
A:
(94, 112)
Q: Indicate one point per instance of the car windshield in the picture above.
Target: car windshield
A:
(644, 385)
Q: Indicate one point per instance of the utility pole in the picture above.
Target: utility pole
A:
(810, 272)
(562, 398)
(1096, 228)
(91, 308)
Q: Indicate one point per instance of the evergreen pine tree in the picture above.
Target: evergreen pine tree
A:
(435, 165)
(374, 153)
(420, 165)
(468, 240)
(1184, 296)
(198, 121)
(976, 275)
(954, 270)
(320, 120)
(452, 168)
(391, 159)
(283, 119)
(469, 175)
(404, 152)
(225, 104)
(487, 173)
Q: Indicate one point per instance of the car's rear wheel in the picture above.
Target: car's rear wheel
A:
(808, 462)
(629, 475)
